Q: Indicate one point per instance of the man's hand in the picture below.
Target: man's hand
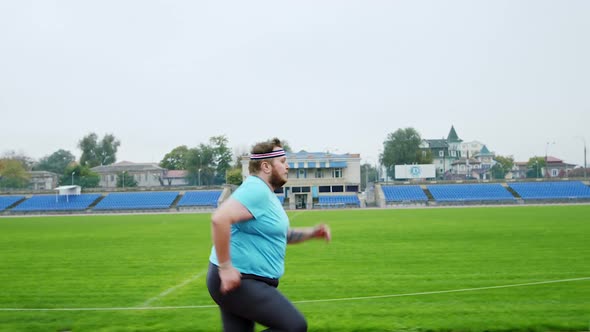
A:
(322, 231)
(230, 279)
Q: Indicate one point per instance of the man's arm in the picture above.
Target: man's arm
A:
(297, 235)
(231, 211)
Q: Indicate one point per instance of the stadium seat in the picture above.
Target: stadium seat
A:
(470, 192)
(200, 198)
(334, 201)
(551, 190)
(6, 201)
(137, 201)
(57, 203)
(410, 193)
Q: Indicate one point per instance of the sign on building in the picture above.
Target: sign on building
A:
(424, 171)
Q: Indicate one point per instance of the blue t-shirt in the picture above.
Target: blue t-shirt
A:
(258, 245)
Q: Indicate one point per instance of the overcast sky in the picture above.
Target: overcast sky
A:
(323, 75)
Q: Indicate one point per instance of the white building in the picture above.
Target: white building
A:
(317, 173)
(145, 174)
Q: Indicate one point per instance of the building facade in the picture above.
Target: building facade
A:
(145, 174)
(43, 180)
(445, 152)
(317, 173)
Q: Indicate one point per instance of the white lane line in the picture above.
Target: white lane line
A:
(172, 289)
(305, 301)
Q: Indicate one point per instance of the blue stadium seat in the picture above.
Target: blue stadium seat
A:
(551, 190)
(334, 201)
(410, 193)
(137, 201)
(470, 192)
(57, 203)
(6, 201)
(200, 198)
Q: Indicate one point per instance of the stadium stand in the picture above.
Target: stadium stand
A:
(57, 203)
(281, 198)
(411, 193)
(139, 201)
(6, 201)
(200, 198)
(470, 192)
(336, 201)
(551, 190)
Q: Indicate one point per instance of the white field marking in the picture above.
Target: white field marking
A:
(304, 301)
(296, 214)
(444, 291)
(173, 288)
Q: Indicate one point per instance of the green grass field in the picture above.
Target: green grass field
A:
(160, 261)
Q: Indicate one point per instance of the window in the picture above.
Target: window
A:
(305, 189)
(337, 189)
(296, 189)
(352, 189)
(337, 172)
(301, 173)
(112, 178)
(462, 167)
(554, 172)
(441, 153)
(319, 173)
(453, 153)
(324, 189)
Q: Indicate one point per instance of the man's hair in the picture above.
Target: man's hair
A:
(262, 147)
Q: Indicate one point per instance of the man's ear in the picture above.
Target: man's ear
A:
(266, 167)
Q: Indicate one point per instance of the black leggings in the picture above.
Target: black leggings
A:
(254, 301)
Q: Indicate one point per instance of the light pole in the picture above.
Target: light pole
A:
(199, 177)
(584, 140)
(73, 177)
(546, 163)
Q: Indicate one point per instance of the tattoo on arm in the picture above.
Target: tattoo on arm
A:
(294, 236)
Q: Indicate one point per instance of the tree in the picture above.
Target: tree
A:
(534, 167)
(26, 161)
(222, 157)
(403, 147)
(206, 164)
(57, 162)
(176, 159)
(13, 174)
(200, 165)
(76, 174)
(96, 153)
(368, 174)
(503, 165)
(234, 176)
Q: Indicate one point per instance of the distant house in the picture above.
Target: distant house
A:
(444, 151)
(145, 174)
(519, 170)
(557, 168)
(175, 178)
(467, 168)
(43, 180)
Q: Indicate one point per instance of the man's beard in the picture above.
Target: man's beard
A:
(276, 180)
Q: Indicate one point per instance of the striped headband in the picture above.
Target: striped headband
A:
(272, 154)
